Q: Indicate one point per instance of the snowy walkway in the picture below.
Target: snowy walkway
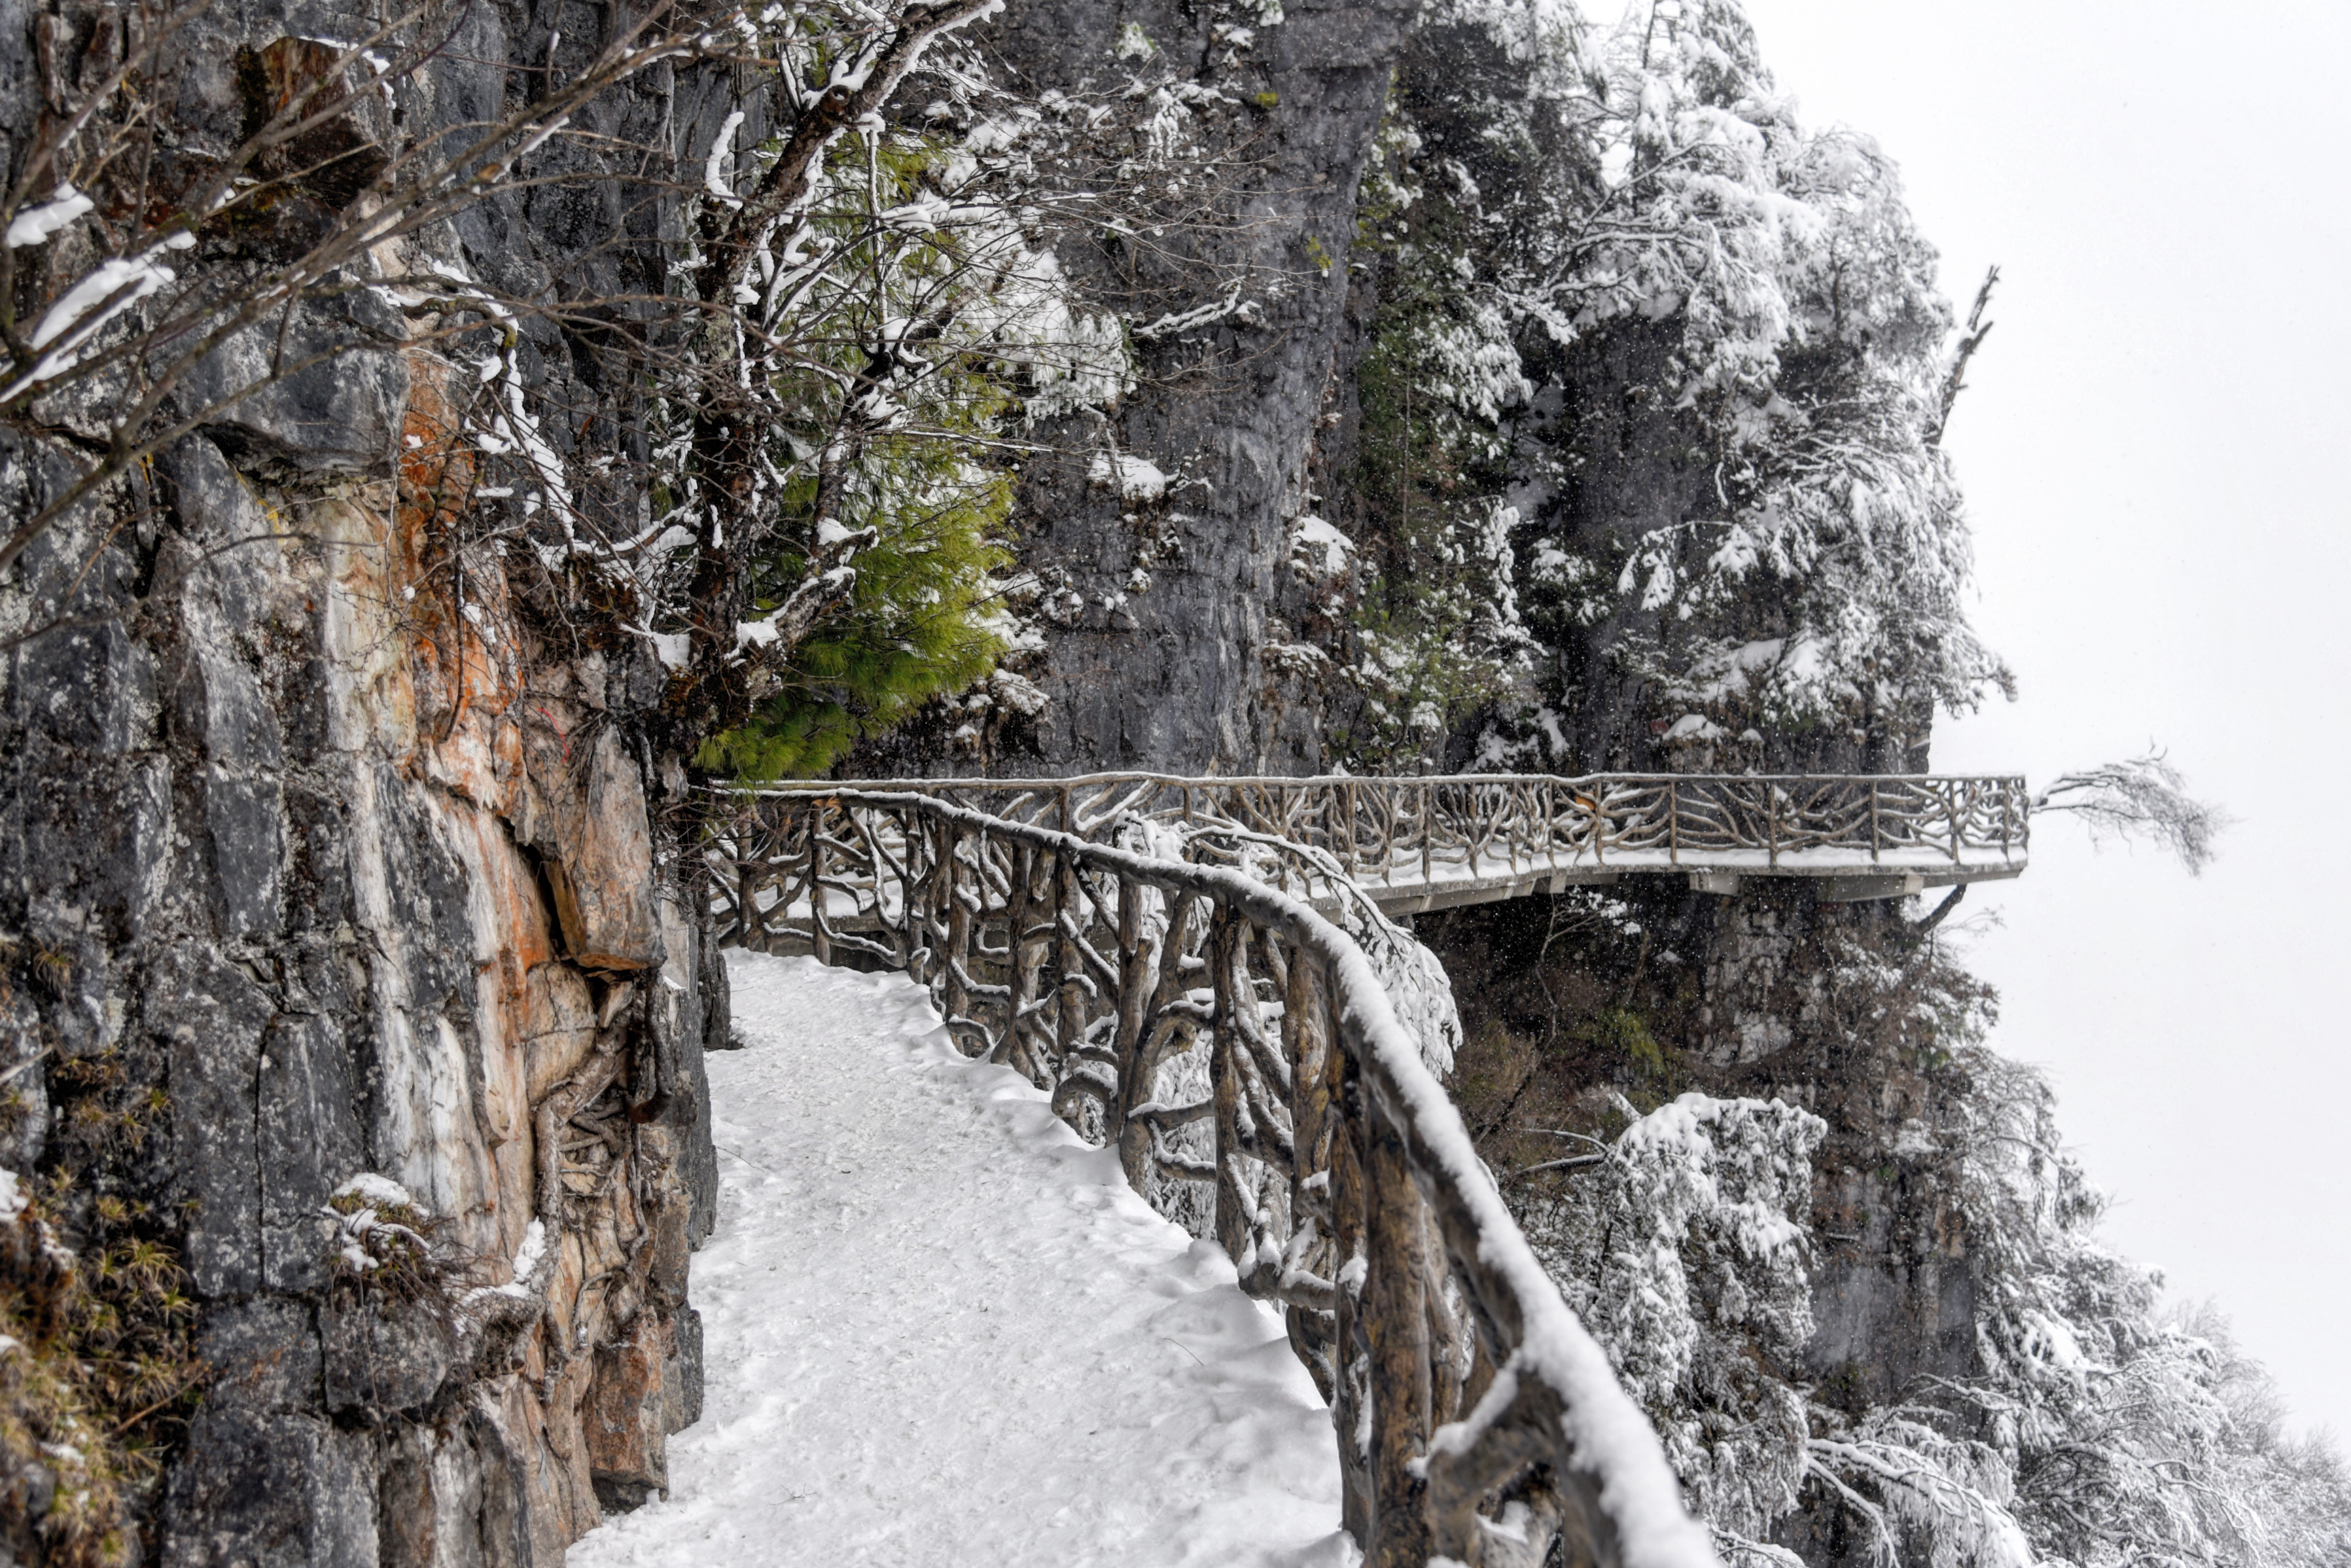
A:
(940, 1330)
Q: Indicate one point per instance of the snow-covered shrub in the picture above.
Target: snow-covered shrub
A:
(1683, 1243)
(2071, 1419)
(2131, 1434)
(385, 1244)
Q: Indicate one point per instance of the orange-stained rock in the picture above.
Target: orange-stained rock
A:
(565, 1411)
(602, 873)
(466, 648)
(622, 1421)
(506, 762)
(557, 1022)
(524, 928)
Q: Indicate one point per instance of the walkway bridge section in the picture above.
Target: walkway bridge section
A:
(1246, 1058)
(1422, 843)
(1202, 974)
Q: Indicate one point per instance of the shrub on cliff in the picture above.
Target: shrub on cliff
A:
(881, 435)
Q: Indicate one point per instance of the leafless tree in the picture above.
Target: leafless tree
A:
(2142, 798)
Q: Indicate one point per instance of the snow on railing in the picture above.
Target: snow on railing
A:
(1421, 833)
(1243, 1054)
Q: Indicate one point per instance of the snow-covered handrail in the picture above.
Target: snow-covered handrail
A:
(1427, 832)
(1244, 1056)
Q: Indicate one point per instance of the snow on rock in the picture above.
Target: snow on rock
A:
(1319, 550)
(380, 1190)
(941, 1330)
(1135, 479)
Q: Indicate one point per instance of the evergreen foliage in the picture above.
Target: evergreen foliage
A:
(900, 394)
(1436, 620)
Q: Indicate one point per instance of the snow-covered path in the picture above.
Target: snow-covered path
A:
(940, 1330)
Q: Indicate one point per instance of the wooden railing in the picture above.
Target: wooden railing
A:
(1424, 832)
(1244, 1055)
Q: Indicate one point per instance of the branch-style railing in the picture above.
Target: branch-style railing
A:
(1425, 833)
(1243, 1054)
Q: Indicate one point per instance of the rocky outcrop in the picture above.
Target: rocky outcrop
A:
(329, 854)
(364, 887)
(1160, 587)
(313, 844)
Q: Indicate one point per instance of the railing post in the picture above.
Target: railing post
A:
(1427, 839)
(819, 921)
(1306, 1032)
(1472, 831)
(1348, 796)
(750, 926)
(1228, 975)
(1395, 1312)
(1874, 837)
(1673, 821)
(1072, 982)
(921, 940)
(958, 956)
(1013, 1049)
(1771, 821)
(1551, 817)
(1138, 975)
(1351, 1358)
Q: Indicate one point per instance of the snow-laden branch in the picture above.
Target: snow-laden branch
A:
(2144, 797)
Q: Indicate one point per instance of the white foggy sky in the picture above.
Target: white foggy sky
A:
(2151, 445)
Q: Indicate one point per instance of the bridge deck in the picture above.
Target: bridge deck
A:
(1134, 965)
(1423, 844)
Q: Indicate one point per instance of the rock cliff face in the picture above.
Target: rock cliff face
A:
(363, 886)
(360, 880)
(1162, 595)
(329, 856)
(326, 853)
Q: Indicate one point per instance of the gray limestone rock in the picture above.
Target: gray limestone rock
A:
(266, 1489)
(308, 1144)
(1172, 677)
(262, 1356)
(229, 855)
(384, 1355)
(210, 1017)
(340, 413)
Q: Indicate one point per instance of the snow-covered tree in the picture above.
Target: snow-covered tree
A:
(1684, 1245)
(1693, 354)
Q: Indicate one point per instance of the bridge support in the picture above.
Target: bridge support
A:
(1862, 889)
(1723, 881)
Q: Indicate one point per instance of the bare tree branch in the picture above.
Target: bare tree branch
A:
(2145, 797)
(1955, 379)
